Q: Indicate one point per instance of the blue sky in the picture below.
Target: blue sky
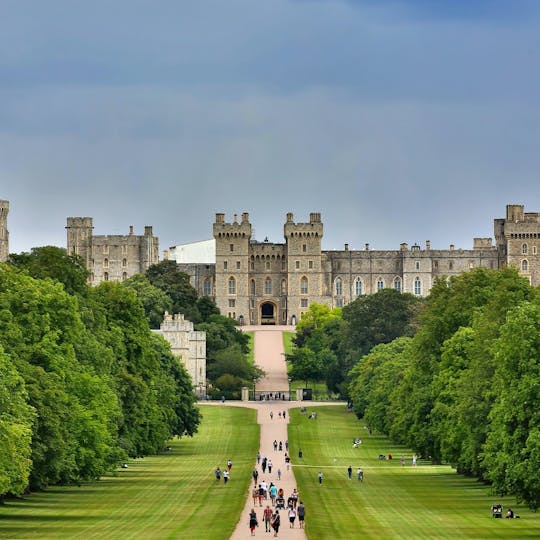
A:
(399, 121)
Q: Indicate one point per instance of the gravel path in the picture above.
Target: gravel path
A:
(269, 355)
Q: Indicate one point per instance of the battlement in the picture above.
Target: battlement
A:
(79, 222)
(4, 207)
(314, 228)
(235, 229)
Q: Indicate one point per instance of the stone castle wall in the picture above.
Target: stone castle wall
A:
(4, 233)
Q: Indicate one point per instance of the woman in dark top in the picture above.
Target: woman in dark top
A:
(253, 521)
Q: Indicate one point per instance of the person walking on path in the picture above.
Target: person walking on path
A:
(349, 472)
(301, 511)
(279, 474)
(280, 446)
(276, 522)
(255, 495)
(271, 415)
(255, 475)
(263, 465)
(253, 521)
(275, 445)
(320, 477)
(273, 493)
(287, 461)
(292, 516)
(269, 465)
(287, 445)
(258, 457)
(267, 518)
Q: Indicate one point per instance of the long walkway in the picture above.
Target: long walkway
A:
(269, 356)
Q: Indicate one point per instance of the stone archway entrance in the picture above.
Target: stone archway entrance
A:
(268, 313)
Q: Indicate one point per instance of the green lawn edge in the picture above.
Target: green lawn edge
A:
(394, 501)
(172, 495)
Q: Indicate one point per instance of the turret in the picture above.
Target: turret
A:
(4, 234)
(79, 238)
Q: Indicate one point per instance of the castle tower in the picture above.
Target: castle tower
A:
(149, 254)
(4, 234)
(304, 264)
(79, 238)
(232, 266)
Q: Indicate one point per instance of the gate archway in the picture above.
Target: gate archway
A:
(268, 313)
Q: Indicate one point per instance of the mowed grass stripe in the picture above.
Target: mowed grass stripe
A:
(393, 502)
(173, 495)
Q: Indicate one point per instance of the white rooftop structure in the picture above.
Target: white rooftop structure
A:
(195, 253)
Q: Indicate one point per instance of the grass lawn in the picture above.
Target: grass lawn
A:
(393, 501)
(287, 341)
(173, 495)
(251, 345)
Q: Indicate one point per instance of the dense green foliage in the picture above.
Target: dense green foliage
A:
(84, 382)
(466, 388)
(330, 342)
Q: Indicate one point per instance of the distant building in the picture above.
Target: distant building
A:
(269, 283)
(197, 252)
(189, 345)
(4, 234)
(111, 257)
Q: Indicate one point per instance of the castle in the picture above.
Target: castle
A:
(188, 344)
(274, 283)
(270, 283)
(111, 257)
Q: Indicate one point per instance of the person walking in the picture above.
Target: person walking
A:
(225, 477)
(280, 446)
(218, 474)
(320, 477)
(271, 415)
(269, 465)
(360, 474)
(255, 495)
(276, 522)
(253, 521)
(279, 474)
(300, 454)
(301, 511)
(267, 518)
(258, 457)
(292, 516)
(287, 461)
(273, 493)
(229, 465)
(255, 475)
(263, 464)
(349, 472)
(287, 445)
(275, 445)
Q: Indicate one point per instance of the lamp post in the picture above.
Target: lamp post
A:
(289, 389)
(254, 383)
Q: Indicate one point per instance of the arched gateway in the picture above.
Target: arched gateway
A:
(268, 313)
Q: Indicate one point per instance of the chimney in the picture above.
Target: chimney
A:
(131, 230)
(428, 245)
(346, 247)
(367, 247)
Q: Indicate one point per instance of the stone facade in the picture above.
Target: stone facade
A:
(111, 257)
(4, 234)
(269, 283)
(187, 344)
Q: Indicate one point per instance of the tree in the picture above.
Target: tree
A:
(176, 285)
(16, 417)
(154, 301)
(55, 263)
(305, 366)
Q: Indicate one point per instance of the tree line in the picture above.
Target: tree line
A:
(460, 384)
(84, 382)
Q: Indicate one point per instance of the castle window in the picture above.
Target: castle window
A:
(339, 287)
(357, 287)
(105, 250)
(339, 302)
(380, 284)
(417, 286)
(207, 287)
(267, 265)
(124, 276)
(231, 247)
(303, 302)
(524, 265)
(534, 250)
(232, 285)
(435, 265)
(232, 302)
(310, 265)
(297, 265)
(124, 263)
(252, 303)
(105, 263)
(224, 265)
(397, 284)
(524, 249)
(283, 286)
(450, 265)
(417, 265)
(268, 286)
(304, 248)
(304, 285)
(106, 276)
(252, 287)
(124, 250)
(252, 266)
(238, 265)
(283, 265)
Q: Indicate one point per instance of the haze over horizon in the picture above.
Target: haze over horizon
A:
(397, 120)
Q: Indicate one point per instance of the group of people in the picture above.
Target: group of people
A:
(225, 473)
(281, 414)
